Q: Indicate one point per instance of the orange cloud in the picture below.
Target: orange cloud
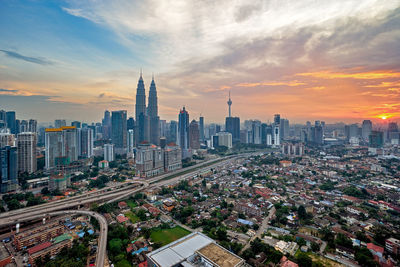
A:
(360, 75)
(291, 83)
(385, 84)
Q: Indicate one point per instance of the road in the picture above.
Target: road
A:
(262, 228)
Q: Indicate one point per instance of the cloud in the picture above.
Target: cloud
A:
(36, 60)
(8, 90)
(372, 75)
(292, 83)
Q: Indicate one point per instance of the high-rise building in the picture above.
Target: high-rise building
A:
(194, 135)
(7, 139)
(172, 157)
(277, 136)
(152, 112)
(163, 128)
(131, 141)
(232, 125)
(109, 152)
(222, 139)
(8, 169)
(60, 123)
(32, 126)
(149, 160)
(77, 124)
(366, 129)
(23, 126)
(119, 131)
(130, 124)
(26, 144)
(3, 119)
(183, 130)
(376, 139)
(201, 128)
(106, 124)
(173, 132)
(11, 122)
(85, 142)
(284, 128)
(60, 146)
(277, 119)
(142, 130)
(392, 131)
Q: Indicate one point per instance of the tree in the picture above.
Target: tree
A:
(314, 246)
(115, 246)
(302, 212)
(142, 214)
(304, 260)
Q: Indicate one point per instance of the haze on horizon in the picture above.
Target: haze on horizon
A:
(307, 60)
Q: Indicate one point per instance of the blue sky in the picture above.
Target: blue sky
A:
(304, 59)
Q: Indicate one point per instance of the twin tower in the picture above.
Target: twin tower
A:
(146, 119)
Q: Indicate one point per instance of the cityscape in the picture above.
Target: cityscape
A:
(197, 167)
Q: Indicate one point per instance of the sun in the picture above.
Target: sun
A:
(383, 117)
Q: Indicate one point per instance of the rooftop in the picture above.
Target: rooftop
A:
(220, 256)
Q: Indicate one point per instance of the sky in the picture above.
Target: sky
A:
(306, 60)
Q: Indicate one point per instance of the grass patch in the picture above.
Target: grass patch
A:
(131, 203)
(132, 217)
(166, 236)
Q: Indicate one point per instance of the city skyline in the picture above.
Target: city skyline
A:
(307, 61)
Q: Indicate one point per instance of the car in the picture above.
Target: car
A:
(6, 240)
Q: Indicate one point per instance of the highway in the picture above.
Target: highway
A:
(106, 195)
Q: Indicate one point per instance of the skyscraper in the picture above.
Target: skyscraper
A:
(232, 125)
(8, 169)
(131, 140)
(85, 142)
(77, 124)
(183, 130)
(26, 144)
(61, 146)
(59, 123)
(173, 132)
(119, 131)
(109, 152)
(142, 121)
(130, 124)
(366, 129)
(106, 123)
(194, 135)
(201, 128)
(152, 112)
(32, 126)
(11, 122)
(23, 126)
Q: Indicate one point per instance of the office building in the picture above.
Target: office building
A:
(77, 124)
(392, 131)
(163, 128)
(284, 128)
(8, 169)
(106, 125)
(183, 131)
(109, 152)
(59, 123)
(130, 124)
(26, 145)
(149, 160)
(172, 136)
(172, 157)
(376, 139)
(131, 141)
(152, 112)
(201, 128)
(222, 139)
(232, 125)
(119, 131)
(277, 136)
(142, 129)
(61, 146)
(7, 139)
(11, 122)
(32, 126)
(194, 135)
(290, 149)
(366, 129)
(195, 249)
(85, 142)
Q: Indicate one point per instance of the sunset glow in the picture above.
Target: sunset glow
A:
(307, 60)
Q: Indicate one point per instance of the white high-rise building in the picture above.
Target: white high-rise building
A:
(109, 152)
(26, 144)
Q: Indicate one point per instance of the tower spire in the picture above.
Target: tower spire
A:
(229, 104)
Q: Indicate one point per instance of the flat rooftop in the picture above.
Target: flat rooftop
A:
(219, 256)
